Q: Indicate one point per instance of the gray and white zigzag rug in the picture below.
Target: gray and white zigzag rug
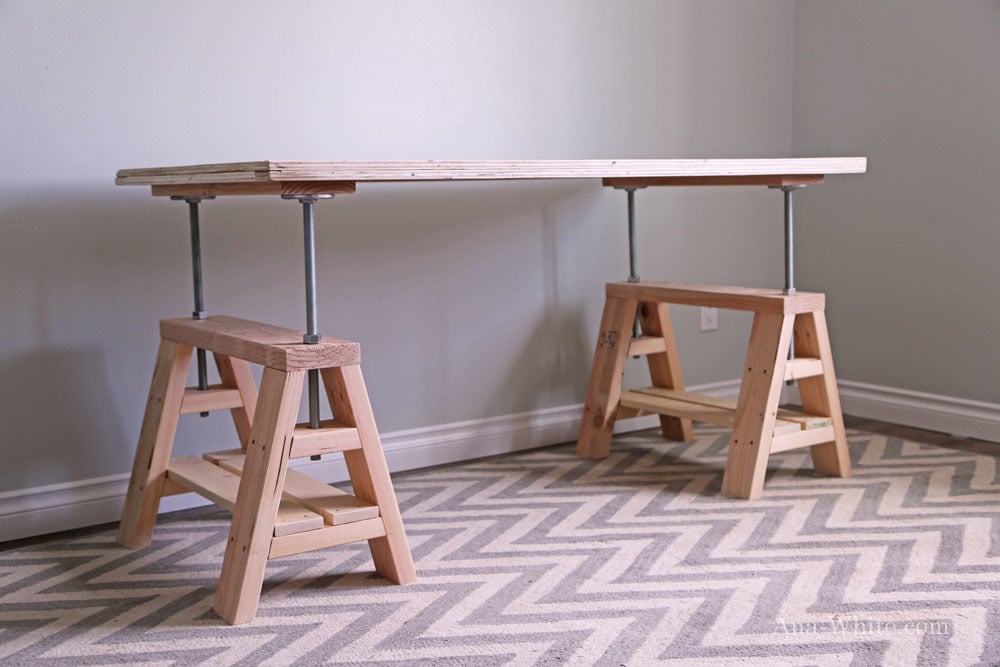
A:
(541, 558)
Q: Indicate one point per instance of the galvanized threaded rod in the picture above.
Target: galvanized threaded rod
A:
(199, 295)
(633, 254)
(312, 332)
(788, 191)
(633, 274)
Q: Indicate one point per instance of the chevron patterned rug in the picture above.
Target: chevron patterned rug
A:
(540, 558)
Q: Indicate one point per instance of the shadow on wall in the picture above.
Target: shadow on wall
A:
(54, 404)
(86, 275)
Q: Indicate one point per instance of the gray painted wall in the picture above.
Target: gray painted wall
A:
(908, 253)
(470, 301)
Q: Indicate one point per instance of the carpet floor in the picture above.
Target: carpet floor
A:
(541, 558)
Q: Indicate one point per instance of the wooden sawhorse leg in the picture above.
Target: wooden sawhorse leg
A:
(261, 487)
(156, 439)
(665, 367)
(820, 395)
(345, 389)
(601, 406)
(164, 406)
(757, 406)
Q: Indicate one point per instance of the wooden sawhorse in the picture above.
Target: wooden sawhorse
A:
(276, 511)
(759, 426)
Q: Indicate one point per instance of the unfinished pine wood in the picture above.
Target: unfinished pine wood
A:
(465, 170)
(264, 344)
(697, 407)
(236, 373)
(329, 438)
(802, 367)
(335, 506)
(665, 367)
(644, 345)
(207, 480)
(800, 420)
(255, 188)
(172, 488)
(259, 495)
(156, 439)
(330, 536)
(600, 407)
(771, 180)
(757, 406)
(820, 395)
(348, 397)
(719, 296)
(216, 397)
(222, 486)
(759, 426)
(811, 438)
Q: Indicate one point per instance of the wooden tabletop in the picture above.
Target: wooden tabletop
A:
(296, 177)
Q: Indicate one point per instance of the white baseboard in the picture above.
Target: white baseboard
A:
(957, 416)
(56, 507)
(48, 509)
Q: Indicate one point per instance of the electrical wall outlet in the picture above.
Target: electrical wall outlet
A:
(709, 319)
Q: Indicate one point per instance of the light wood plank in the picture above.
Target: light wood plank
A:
(719, 296)
(810, 438)
(329, 438)
(802, 367)
(718, 411)
(449, 170)
(345, 389)
(801, 420)
(255, 188)
(264, 344)
(757, 406)
(330, 536)
(205, 479)
(765, 180)
(259, 496)
(820, 394)
(236, 373)
(156, 440)
(646, 345)
(600, 408)
(335, 506)
(216, 397)
(665, 367)
(221, 486)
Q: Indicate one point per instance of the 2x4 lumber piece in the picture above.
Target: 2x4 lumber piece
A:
(335, 506)
(330, 437)
(222, 486)
(810, 438)
(216, 397)
(769, 301)
(646, 345)
(771, 180)
(330, 536)
(718, 411)
(275, 347)
(803, 421)
(802, 367)
(256, 188)
(156, 439)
